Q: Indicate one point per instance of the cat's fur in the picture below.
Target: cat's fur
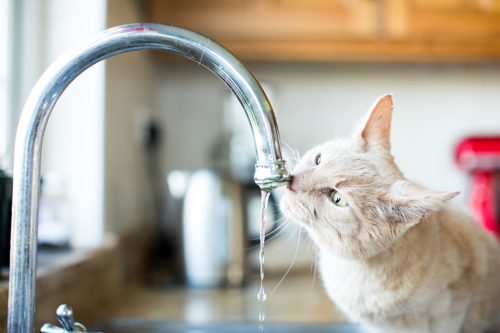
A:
(396, 259)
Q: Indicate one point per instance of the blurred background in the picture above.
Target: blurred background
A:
(129, 135)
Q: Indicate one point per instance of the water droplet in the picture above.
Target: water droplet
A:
(261, 295)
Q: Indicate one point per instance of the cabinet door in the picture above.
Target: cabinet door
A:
(271, 28)
(360, 30)
(460, 28)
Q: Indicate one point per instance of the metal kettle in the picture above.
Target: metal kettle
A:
(216, 219)
(213, 227)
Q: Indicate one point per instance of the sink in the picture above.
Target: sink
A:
(130, 325)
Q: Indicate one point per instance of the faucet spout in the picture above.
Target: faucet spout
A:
(270, 167)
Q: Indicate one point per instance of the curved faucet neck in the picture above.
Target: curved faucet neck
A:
(270, 168)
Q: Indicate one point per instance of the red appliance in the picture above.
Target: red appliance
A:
(480, 157)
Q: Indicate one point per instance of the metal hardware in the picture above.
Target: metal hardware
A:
(270, 169)
(65, 316)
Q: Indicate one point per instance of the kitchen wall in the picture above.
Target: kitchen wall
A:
(435, 106)
(73, 148)
(91, 139)
(129, 92)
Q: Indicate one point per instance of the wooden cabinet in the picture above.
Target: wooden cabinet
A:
(351, 30)
(445, 29)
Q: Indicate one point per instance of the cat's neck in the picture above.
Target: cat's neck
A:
(412, 247)
(380, 285)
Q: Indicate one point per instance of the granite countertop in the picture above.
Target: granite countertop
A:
(298, 299)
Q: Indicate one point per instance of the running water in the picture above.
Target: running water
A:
(261, 295)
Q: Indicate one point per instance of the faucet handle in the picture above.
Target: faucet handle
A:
(65, 315)
(66, 318)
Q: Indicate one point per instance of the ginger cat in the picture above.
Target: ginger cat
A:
(392, 256)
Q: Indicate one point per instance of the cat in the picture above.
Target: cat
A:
(392, 255)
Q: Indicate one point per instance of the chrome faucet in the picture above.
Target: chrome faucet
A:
(270, 171)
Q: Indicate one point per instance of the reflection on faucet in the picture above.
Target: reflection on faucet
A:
(270, 171)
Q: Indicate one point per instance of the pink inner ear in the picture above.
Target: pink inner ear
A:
(378, 126)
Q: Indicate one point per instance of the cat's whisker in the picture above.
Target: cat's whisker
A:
(284, 223)
(285, 240)
(278, 231)
(281, 222)
(292, 235)
(291, 264)
(294, 159)
(294, 151)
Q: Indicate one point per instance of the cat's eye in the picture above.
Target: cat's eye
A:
(318, 159)
(338, 199)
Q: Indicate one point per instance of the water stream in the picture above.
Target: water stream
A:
(261, 295)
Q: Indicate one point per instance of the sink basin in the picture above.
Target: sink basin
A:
(162, 326)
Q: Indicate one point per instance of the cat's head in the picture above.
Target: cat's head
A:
(350, 194)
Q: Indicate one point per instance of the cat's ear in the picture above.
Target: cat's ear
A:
(409, 203)
(378, 126)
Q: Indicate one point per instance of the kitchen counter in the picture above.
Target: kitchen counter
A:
(298, 299)
(82, 278)
(93, 282)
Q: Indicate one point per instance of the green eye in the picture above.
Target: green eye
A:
(337, 199)
(318, 159)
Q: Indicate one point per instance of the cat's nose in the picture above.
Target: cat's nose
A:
(289, 186)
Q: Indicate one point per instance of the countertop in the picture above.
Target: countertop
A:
(87, 279)
(299, 298)
(64, 278)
